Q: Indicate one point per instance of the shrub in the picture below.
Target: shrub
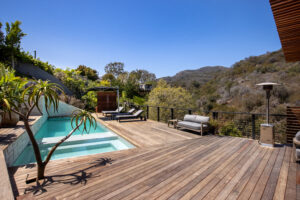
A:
(25, 57)
(229, 129)
(281, 93)
(267, 68)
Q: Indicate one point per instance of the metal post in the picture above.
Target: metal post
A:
(158, 114)
(214, 115)
(268, 104)
(118, 99)
(147, 112)
(34, 54)
(268, 94)
(172, 113)
(253, 126)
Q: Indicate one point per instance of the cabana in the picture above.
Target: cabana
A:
(106, 101)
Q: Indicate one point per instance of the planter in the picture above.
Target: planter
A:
(9, 120)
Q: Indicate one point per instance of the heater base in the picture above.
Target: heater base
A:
(267, 135)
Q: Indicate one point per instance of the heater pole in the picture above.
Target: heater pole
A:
(268, 103)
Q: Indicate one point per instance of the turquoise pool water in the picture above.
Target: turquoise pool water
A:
(55, 127)
(98, 140)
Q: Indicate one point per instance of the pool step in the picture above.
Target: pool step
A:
(80, 147)
(80, 138)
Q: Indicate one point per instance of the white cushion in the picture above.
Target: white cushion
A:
(201, 119)
(298, 136)
(196, 118)
(189, 118)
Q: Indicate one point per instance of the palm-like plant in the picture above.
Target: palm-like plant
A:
(30, 99)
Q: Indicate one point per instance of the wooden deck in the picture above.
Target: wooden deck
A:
(146, 133)
(168, 166)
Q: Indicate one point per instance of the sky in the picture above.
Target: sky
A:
(161, 36)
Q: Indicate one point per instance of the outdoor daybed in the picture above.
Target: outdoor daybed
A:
(194, 122)
(110, 112)
(136, 115)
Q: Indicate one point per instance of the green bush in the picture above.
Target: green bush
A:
(229, 129)
(25, 57)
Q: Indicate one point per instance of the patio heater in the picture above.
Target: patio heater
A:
(267, 129)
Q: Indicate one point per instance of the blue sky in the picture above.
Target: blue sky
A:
(161, 36)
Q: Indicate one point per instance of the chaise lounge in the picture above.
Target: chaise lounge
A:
(110, 112)
(194, 122)
(133, 116)
(113, 116)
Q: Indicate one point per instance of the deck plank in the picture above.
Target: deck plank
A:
(168, 165)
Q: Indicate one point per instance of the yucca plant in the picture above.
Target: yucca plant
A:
(30, 99)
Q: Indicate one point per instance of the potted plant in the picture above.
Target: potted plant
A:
(11, 88)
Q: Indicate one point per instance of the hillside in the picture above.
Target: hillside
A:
(34, 72)
(235, 89)
(197, 77)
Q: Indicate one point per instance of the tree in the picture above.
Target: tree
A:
(88, 72)
(30, 99)
(143, 76)
(114, 68)
(108, 77)
(13, 37)
(1, 36)
(172, 97)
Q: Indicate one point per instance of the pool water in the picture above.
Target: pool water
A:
(98, 140)
(55, 127)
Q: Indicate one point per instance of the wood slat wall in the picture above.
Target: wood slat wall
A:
(106, 101)
(292, 123)
(287, 17)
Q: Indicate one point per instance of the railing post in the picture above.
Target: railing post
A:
(253, 125)
(215, 115)
(158, 114)
(147, 112)
(172, 113)
(190, 112)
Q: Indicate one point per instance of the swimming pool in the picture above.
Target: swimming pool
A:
(98, 140)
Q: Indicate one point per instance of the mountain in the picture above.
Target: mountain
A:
(235, 88)
(197, 77)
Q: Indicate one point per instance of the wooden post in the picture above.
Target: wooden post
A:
(147, 112)
(158, 114)
(253, 125)
(172, 113)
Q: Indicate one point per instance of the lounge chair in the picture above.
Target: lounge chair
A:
(194, 122)
(110, 112)
(113, 116)
(136, 115)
